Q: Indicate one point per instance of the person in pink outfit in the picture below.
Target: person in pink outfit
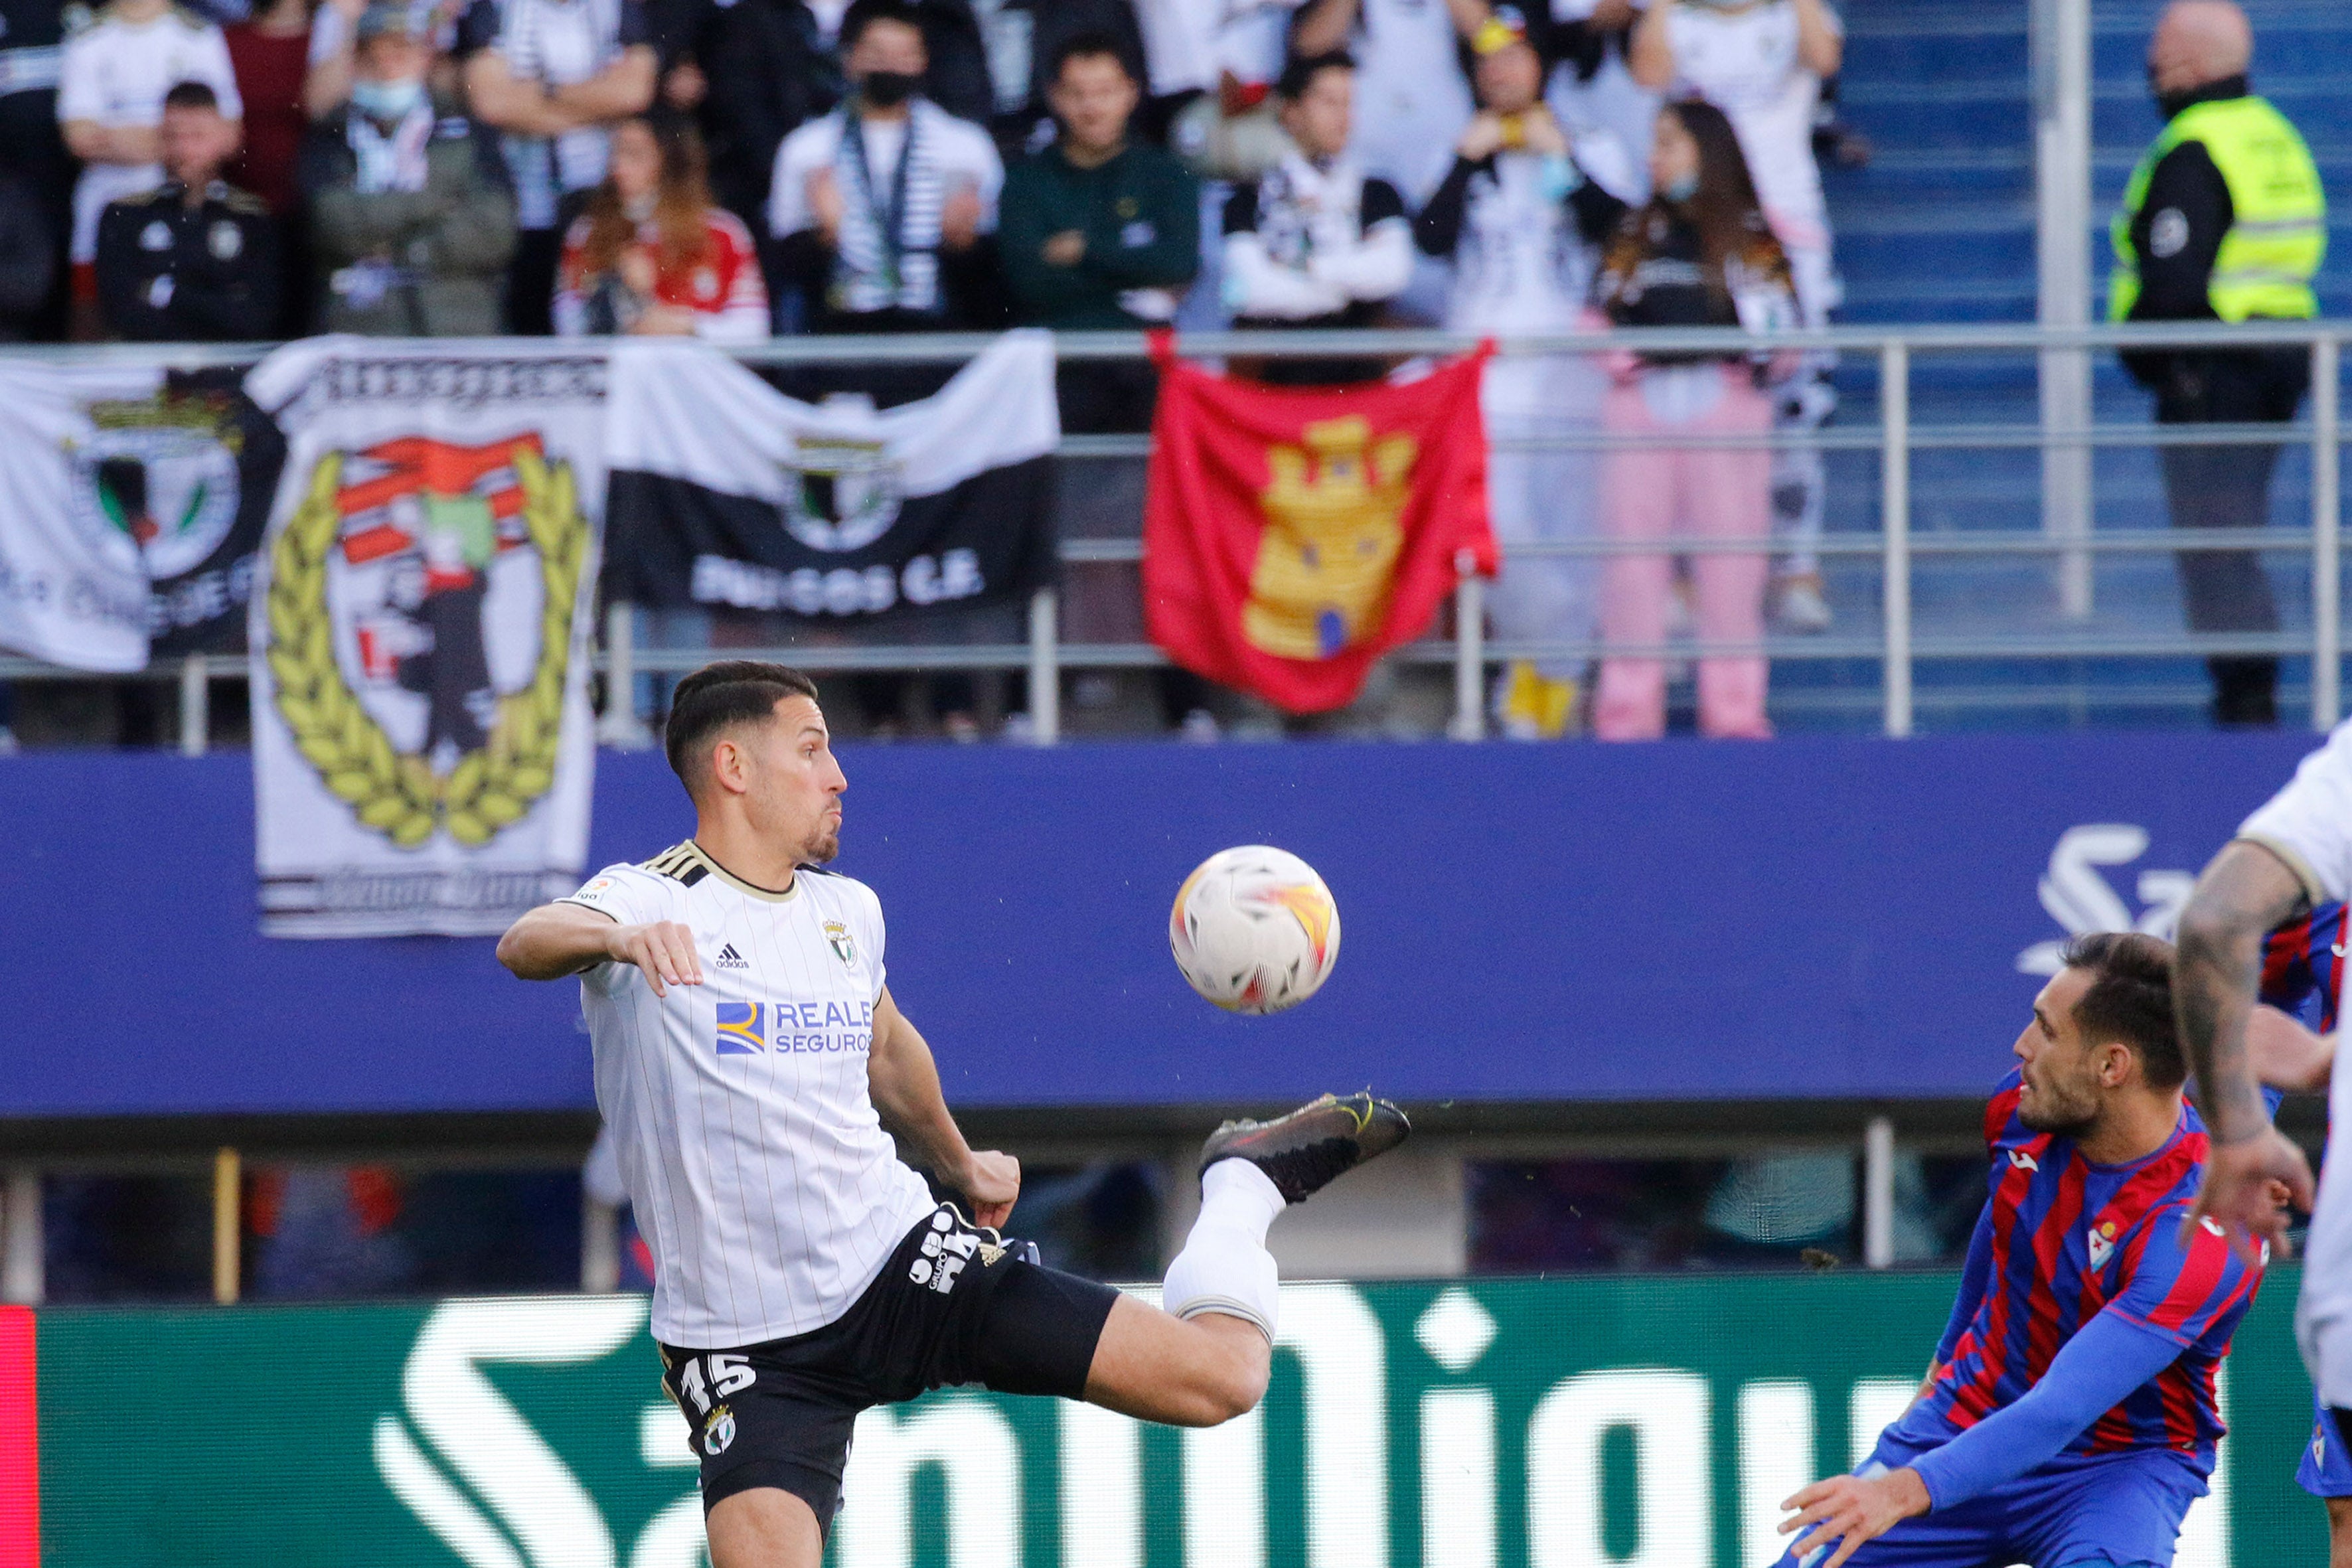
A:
(1699, 254)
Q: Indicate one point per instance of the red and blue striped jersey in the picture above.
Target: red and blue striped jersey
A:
(2060, 1240)
(2303, 968)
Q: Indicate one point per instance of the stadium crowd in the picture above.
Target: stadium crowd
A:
(737, 168)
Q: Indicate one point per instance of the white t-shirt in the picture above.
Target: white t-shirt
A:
(1745, 63)
(1412, 101)
(1521, 265)
(958, 153)
(117, 74)
(749, 1143)
(2308, 824)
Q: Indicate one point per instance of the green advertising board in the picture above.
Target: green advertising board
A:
(1554, 1423)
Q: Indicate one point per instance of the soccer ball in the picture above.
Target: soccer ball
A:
(1255, 929)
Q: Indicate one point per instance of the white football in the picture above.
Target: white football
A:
(1255, 929)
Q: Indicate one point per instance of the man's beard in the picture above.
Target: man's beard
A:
(2064, 1119)
(821, 850)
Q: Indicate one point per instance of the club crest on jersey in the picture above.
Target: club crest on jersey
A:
(837, 936)
(2102, 1242)
(719, 1431)
(2024, 1161)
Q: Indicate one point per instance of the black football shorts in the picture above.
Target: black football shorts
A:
(955, 1304)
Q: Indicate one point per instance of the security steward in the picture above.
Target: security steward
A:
(191, 260)
(2224, 220)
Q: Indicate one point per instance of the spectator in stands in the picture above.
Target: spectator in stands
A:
(2224, 219)
(110, 88)
(652, 254)
(191, 260)
(36, 176)
(1317, 243)
(270, 56)
(1593, 91)
(1762, 63)
(881, 208)
(1101, 230)
(1025, 38)
(335, 47)
(1412, 105)
(553, 76)
(780, 74)
(1215, 62)
(1699, 254)
(1520, 219)
(413, 225)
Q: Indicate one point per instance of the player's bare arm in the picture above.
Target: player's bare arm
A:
(905, 1083)
(1851, 1510)
(2245, 892)
(560, 939)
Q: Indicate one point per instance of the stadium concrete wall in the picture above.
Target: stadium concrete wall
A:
(1637, 1422)
(1809, 919)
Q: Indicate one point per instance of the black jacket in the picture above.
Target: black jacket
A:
(168, 272)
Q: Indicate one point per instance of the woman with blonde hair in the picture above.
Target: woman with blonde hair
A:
(1699, 254)
(654, 254)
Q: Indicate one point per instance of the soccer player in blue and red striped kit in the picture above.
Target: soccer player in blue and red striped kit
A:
(2069, 1418)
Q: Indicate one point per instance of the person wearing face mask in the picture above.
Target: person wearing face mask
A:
(412, 220)
(881, 209)
(1699, 254)
(1763, 62)
(2224, 219)
(1317, 243)
(1519, 216)
(652, 254)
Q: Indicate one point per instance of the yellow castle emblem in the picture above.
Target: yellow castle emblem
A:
(1329, 555)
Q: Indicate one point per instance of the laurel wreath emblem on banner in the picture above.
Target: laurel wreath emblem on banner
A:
(400, 795)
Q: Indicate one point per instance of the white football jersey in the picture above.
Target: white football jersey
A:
(2308, 824)
(759, 1169)
(114, 73)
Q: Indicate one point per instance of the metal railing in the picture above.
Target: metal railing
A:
(1898, 647)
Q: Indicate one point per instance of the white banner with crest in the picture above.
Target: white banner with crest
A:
(423, 745)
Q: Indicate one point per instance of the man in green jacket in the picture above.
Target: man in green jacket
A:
(412, 217)
(2224, 220)
(1098, 232)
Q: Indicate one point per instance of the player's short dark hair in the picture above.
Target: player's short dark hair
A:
(1299, 71)
(191, 95)
(2131, 999)
(731, 692)
(864, 14)
(1088, 43)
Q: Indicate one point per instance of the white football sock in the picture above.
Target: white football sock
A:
(1224, 1266)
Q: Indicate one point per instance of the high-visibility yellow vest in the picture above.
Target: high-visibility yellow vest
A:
(2279, 234)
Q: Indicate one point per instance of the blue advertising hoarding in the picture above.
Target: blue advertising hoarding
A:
(1815, 917)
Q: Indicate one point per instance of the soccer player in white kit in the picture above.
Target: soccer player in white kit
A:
(2294, 853)
(752, 1067)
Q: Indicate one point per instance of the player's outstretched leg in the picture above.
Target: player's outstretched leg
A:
(1203, 1358)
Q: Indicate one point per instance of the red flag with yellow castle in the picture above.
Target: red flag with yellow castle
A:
(1291, 536)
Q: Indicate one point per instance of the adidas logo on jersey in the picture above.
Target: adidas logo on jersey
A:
(730, 958)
